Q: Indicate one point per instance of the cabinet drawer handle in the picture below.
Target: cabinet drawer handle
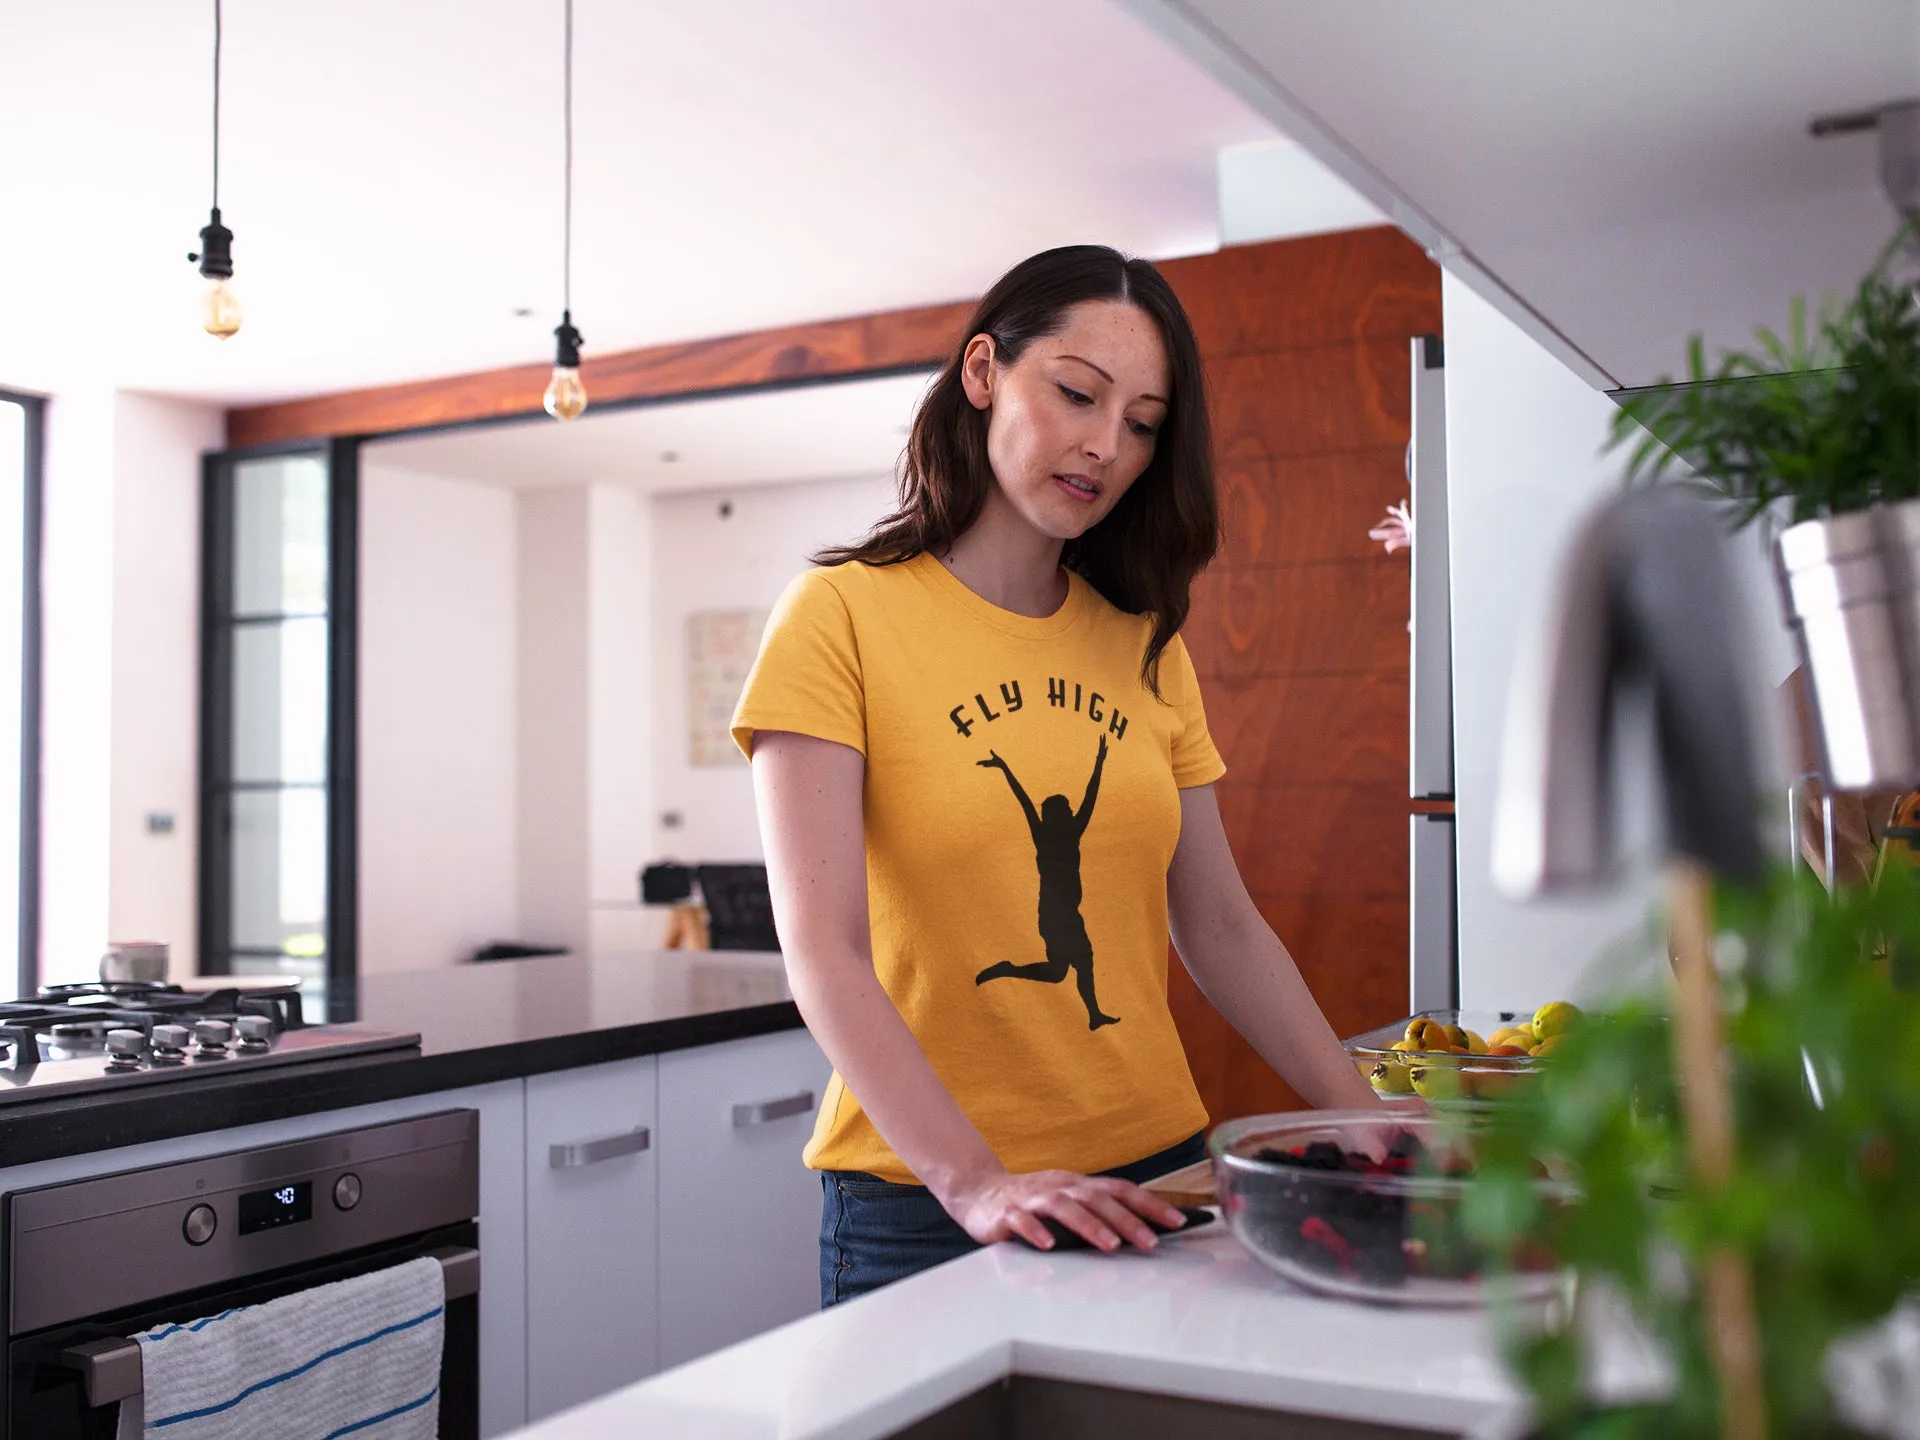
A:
(763, 1111)
(592, 1152)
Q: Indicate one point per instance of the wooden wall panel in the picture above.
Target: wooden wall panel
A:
(1312, 507)
(1318, 618)
(1320, 840)
(1311, 729)
(1357, 285)
(1298, 630)
(1271, 404)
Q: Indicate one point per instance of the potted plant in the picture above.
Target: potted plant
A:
(1824, 423)
(1823, 1062)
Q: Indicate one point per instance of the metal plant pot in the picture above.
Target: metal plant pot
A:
(1849, 583)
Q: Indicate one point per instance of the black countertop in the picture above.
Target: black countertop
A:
(477, 1024)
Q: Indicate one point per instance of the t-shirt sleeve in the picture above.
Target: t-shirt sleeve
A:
(1195, 761)
(807, 676)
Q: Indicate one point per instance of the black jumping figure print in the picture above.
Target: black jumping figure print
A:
(1057, 829)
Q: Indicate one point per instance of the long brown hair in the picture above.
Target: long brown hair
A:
(1144, 554)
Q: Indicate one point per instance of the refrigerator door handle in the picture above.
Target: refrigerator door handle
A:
(1433, 915)
(1430, 739)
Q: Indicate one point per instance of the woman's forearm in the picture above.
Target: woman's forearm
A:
(1248, 976)
(1243, 969)
(857, 1025)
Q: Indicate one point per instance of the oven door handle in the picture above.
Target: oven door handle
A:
(110, 1370)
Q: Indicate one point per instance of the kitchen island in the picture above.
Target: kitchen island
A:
(1197, 1321)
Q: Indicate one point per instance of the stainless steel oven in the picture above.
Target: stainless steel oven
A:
(91, 1262)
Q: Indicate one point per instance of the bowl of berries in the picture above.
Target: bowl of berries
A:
(1366, 1205)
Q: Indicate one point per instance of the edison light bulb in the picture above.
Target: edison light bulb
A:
(566, 397)
(219, 309)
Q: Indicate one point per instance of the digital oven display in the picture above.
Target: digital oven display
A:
(283, 1205)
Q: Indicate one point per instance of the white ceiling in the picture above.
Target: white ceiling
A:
(1632, 171)
(829, 431)
(391, 170)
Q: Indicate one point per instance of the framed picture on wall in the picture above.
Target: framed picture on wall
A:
(721, 645)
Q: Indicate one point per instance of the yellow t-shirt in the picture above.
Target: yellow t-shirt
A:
(1021, 810)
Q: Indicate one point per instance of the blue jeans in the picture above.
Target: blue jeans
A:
(874, 1232)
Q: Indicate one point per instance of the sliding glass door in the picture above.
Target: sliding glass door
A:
(277, 733)
(22, 419)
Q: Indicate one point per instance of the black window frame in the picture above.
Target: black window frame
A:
(33, 542)
(217, 559)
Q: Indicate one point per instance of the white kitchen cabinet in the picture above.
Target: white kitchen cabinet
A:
(739, 1213)
(592, 1242)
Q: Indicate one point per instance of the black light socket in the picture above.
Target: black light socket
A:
(216, 249)
(567, 351)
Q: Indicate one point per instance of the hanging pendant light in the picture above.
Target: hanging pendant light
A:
(566, 397)
(219, 310)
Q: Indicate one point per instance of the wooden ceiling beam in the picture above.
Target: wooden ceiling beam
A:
(865, 344)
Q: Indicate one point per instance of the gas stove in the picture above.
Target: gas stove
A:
(105, 1035)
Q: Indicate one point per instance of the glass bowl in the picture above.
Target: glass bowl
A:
(1365, 1205)
(1449, 1077)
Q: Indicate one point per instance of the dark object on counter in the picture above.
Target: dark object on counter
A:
(739, 907)
(1066, 1239)
(514, 950)
(667, 883)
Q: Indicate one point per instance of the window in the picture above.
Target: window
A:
(277, 760)
(22, 420)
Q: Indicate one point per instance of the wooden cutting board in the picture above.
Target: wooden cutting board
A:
(1191, 1186)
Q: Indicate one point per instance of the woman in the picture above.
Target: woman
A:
(1020, 613)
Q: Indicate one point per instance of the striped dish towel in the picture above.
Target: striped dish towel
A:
(357, 1358)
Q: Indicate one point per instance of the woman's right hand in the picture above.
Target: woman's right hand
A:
(1106, 1212)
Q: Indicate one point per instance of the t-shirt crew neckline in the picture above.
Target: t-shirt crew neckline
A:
(1028, 627)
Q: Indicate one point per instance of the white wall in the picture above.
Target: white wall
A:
(158, 445)
(120, 700)
(1523, 469)
(438, 716)
(523, 698)
(77, 676)
(620, 721)
(552, 779)
(1276, 189)
(505, 716)
(704, 561)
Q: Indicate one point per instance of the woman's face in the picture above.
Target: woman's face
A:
(1072, 424)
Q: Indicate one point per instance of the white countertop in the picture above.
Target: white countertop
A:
(1200, 1318)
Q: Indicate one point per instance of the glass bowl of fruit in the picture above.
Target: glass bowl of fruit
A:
(1366, 1205)
(1460, 1055)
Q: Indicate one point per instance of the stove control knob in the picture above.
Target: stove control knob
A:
(126, 1049)
(346, 1192)
(256, 1032)
(200, 1224)
(210, 1037)
(169, 1044)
